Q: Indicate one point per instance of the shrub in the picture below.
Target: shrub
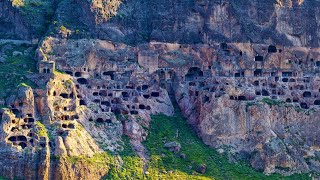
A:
(63, 28)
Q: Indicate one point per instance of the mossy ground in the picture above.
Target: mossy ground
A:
(166, 129)
(14, 70)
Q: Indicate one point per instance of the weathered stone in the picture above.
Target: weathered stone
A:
(173, 146)
(202, 169)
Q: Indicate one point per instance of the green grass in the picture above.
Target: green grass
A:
(272, 102)
(42, 130)
(132, 167)
(165, 129)
(123, 165)
(102, 160)
(15, 71)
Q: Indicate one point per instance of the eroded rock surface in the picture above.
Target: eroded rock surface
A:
(271, 22)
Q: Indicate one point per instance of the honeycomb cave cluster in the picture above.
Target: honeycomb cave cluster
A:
(246, 96)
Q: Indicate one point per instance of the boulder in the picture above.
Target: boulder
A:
(173, 146)
(202, 169)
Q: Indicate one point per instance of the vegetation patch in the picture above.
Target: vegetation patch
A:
(16, 68)
(165, 164)
(42, 130)
(127, 164)
(272, 102)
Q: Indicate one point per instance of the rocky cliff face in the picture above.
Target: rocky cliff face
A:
(274, 138)
(60, 128)
(26, 20)
(270, 22)
(12, 23)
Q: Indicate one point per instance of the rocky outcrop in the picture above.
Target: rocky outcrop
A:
(32, 150)
(24, 151)
(274, 138)
(12, 23)
(269, 22)
(63, 168)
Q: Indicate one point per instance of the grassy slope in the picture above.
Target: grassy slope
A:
(164, 164)
(13, 72)
(164, 129)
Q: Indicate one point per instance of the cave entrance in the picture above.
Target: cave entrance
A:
(64, 95)
(155, 94)
(272, 49)
(304, 105)
(242, 98)
(71, 126)
(106, 103)
(125, 94)
(141, 106)
(258, 58)
(23, 145)
(144, 87)
(77, 74)
(286, 74)
(224, 46)
(257, 72)
(193, 73)
(109, 73)
(265, 93)
(82, 102)
(82, 81)
(307, 94)
(22, 138)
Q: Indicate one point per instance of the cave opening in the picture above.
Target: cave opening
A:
(258, 58)
(77, 74)
(307, 94)
(272, 49)
(257, 72)
(22, 138)
(265, 93)
(304, 105)
(23, 145)
(141, 106)
(109, 73)
(155, 94)
(82, 81)
(193, 73)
